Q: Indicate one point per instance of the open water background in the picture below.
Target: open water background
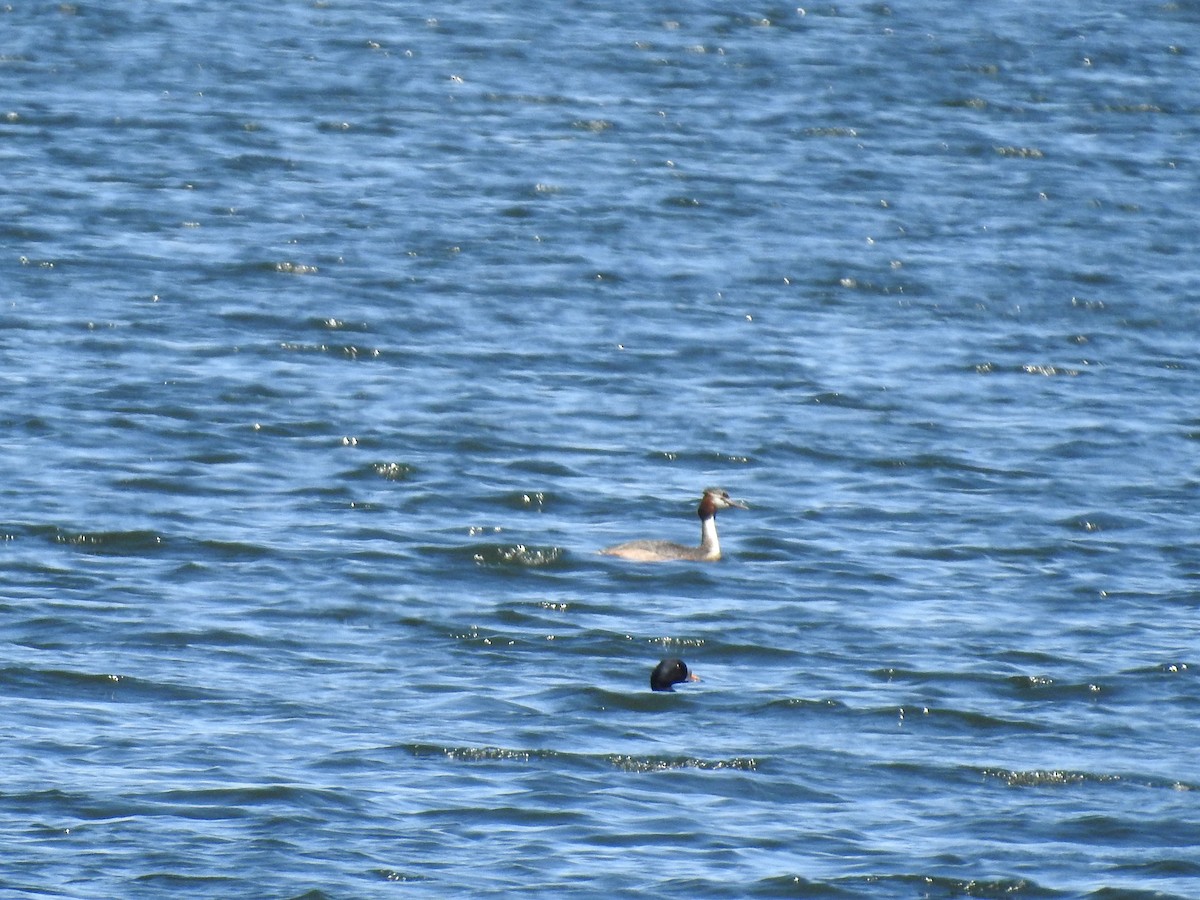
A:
(338, 336)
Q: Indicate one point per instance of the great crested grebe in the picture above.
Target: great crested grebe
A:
(709, 549)
(670, 672)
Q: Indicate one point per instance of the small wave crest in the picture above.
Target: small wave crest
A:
(666, 763)
(61, 684)
(624, 762)
(1036, 778)
(112, 543)
(518, 555)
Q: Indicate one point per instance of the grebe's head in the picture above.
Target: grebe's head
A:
(716, 498)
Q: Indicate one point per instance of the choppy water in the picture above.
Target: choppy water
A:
(338, 336)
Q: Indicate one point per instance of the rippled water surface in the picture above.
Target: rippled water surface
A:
(337, 337)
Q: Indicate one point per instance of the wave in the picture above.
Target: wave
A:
(134, 542)
(515, 555)
(67, 685)
(620, 761)
(1038, 778)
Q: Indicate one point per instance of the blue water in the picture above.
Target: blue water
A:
(338, 336)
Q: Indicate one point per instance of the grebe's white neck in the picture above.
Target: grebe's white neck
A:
(710, 546)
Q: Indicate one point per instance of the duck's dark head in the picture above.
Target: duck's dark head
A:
(670, 672)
